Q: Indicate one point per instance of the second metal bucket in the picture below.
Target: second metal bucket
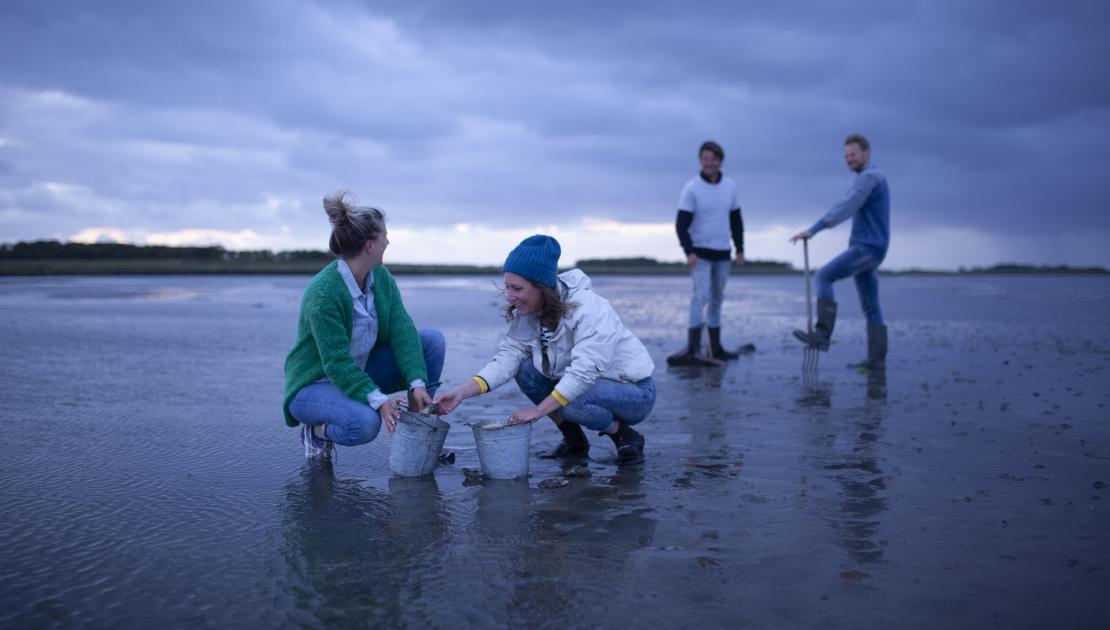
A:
(416, 443)
(503, 450)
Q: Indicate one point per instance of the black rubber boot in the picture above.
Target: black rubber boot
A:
(574, 442)
(689, 354)
(629, 443)
(823, 330)
(717, 351)
(876, 349)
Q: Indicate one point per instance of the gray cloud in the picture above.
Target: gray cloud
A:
(989, 116)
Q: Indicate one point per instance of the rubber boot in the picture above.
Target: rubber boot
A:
(717, 351)
(574, 442)
(823, 330)
(689, 354)
(629, 443)
(876, 349)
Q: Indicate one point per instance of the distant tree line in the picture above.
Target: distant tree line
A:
(55, 250)
(1046, 269)
(211, 256)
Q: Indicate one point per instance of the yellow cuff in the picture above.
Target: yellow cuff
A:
(559, 397)
(483, 386)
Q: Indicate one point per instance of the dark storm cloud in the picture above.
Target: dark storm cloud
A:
(986, 115)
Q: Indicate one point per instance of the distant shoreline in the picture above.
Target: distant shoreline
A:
(54, 258)
(138, 267)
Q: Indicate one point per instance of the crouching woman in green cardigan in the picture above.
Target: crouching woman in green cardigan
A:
(355, 344)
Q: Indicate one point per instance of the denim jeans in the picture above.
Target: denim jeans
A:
(596, 409)
(709, 278)
(353, 422)
(863, 264)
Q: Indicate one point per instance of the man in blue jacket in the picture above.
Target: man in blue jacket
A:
(867, 202)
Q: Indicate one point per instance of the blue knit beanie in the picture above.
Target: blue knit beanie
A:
(536, 258)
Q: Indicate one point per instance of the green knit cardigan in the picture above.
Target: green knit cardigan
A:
(323, 345)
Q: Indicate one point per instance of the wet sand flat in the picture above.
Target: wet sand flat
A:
(147, 476)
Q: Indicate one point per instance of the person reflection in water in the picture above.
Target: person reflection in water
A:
(570, 355)
(355, 342)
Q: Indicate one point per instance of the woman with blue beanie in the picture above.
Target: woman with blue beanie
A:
(570, 355)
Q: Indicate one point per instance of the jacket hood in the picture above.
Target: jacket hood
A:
(573, 282)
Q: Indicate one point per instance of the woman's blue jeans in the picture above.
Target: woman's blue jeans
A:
(863, 264)
(604, 402)
(352, 422)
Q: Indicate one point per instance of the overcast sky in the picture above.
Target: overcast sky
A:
(474, 124)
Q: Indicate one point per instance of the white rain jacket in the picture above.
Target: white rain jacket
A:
(589, 344)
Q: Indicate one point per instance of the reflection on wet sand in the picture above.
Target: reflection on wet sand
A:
(815, 393)
(343, 542)
(876, 384)
(554, 550)
(846, 450)
(712, 456)
(708, 377)
(504, 511)
(971, 485)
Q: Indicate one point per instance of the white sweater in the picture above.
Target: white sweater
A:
(710, 204)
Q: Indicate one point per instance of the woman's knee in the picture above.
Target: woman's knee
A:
(320, 402)
(527, 374)
(432, 340)
(434, 344)
(362, 430)
(532, 383)
(588, 415)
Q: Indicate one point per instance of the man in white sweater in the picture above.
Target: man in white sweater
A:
(708, 212)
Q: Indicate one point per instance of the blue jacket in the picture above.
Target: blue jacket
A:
(868, 203)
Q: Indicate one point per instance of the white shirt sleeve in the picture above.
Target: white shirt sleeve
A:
(686, 199)
(376, 399)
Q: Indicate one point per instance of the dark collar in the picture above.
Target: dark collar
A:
(705, 179)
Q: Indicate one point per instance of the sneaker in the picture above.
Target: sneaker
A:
(315, 447)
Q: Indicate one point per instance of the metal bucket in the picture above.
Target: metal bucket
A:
(503, 450)
(416, 443)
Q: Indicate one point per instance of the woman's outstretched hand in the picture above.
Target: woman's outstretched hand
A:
(520, 416)
(418, 399)
(448, 401)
